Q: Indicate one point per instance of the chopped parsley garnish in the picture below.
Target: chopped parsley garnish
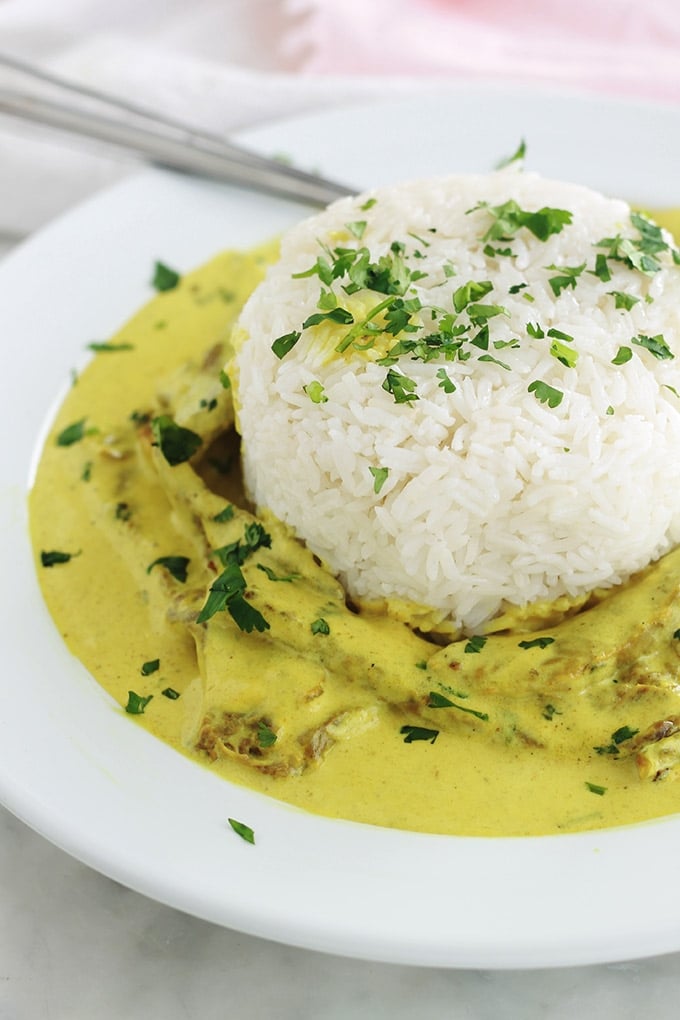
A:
(618, 737)
(224, 515)
(656, 345)
(176, 443)
(315, 392)
(72, 433)
(54, 557)
(284, 344)
(623, 355)
(567, 277)
(164, 278)
(379, 477)
(123, 512)
(86, 473)
(549, 712)
(357, 228)
(539, 642)
(509, 218)
(412, 733)
(601, 268)
(475, 644)
(368, 204)
(136, 703)
(254, 537)
(545, 394)
(445, 382)
(400, 386)
(225, 380)
(170, 693)
(470, 292)
(275, 577)
(265, 735)
(242, 830)
(152, 666)
(441, 701)
(517, 156)
(176, 566)
(228, 592)
(594, 788)
(106, 346)
(320, 626)
(623, 300)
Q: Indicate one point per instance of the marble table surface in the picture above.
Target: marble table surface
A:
(76, 946)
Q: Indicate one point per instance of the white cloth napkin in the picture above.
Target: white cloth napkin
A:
(217, 63)
(226, 64)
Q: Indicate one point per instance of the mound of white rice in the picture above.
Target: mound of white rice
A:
(523, 439)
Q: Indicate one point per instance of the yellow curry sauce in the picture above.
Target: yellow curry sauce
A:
(562, 721)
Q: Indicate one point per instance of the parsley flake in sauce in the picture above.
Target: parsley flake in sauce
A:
(413, 733)
(437, 700)
(176, 443)
(72, 433)
(152, 666)
(320, 626)
(54, 557)
(228, 592)
(164, 278)
(136, 703)
(176, 566)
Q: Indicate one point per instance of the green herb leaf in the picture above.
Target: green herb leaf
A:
(242, 830)
(567, 277)
(164, 278)
(265, 735)
(623, 300)
(379, 477)
(549, 712)
(320, 626)
(150, 667)
(472, 291)
(176, 443)
(170, 693)
(601, 268)
(54, 557)
(368, 204)
(225, 380)
(517, 156)
(72, 433)
(136, 703)
(274, 577)
(545, 394)
(594, 788)
(224, 515)
(475, 644)
(656, 345)
(445, 382)
(105, 346)
(227, 592)
(623, 355)
(539, 642)
(623, 733)
(412, 733)
(177, 566)
(357, 228)
(284, 344)
(340, 315)
(438, 700)
(400, 386)
(315, 392)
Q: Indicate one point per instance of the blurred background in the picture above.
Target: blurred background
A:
(225, 64)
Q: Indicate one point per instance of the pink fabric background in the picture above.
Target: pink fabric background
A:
(629, 47)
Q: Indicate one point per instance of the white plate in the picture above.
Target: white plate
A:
(73, 766)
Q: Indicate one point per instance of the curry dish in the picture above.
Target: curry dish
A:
(562, 717)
